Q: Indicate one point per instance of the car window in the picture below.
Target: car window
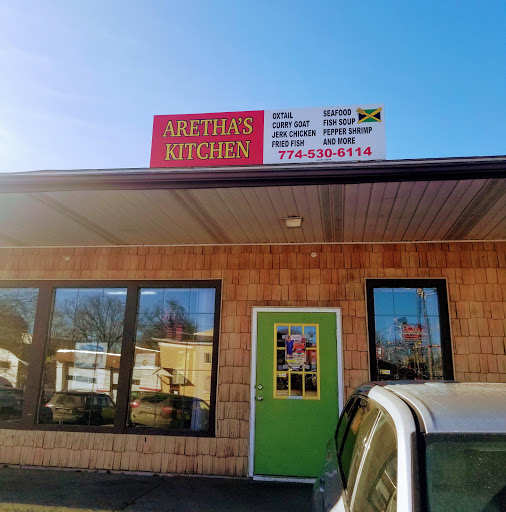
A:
(465, 472)
(154, 399)
(67, 400)
(344, 421)
(354, 443)
(100, 401)
(376, 484)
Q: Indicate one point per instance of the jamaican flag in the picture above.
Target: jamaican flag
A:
(370, 115)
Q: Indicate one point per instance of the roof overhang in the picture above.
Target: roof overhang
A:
(380, 201)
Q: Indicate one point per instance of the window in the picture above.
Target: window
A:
(17, 317)
(367, 457)
(355, 442)
(173, 342)
(344, 422)
(465, 472)
(124, 357)
(83, 356)
(296, 361)
(376, 487)
(409, 332)
(344, 456)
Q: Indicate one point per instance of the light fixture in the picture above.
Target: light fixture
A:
(293, 221)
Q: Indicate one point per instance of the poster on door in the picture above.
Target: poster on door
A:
(295, 351)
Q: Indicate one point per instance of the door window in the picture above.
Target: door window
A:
(409, 332)
(296, 361)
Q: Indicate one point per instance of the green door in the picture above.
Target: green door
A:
(297, 396)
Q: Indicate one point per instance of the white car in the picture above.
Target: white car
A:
(417, 447)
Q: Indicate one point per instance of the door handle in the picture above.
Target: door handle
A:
(260, 398)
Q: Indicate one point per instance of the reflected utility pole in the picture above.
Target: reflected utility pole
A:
(423, 301)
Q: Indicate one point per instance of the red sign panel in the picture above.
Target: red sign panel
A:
(414, 333)
(219, 139)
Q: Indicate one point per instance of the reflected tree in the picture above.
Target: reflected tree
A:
(17, 315)
(17, 306)
(160, 322)
(95, 319)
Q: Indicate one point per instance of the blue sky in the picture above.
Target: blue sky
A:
(81, 81)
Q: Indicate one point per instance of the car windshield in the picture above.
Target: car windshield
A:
(466, 472)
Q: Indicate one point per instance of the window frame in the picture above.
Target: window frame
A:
(40, 340)
(444, 318)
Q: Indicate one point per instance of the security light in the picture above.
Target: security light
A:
(293, 222)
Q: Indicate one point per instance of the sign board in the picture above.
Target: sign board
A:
(415, 333)
(302, 135)
(90, 355)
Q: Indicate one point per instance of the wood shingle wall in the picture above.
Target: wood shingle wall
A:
(266, 276)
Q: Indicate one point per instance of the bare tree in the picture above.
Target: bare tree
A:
(97, 318)
(162, 322)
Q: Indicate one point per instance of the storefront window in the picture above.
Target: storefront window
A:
(171, 380)
(408, 330)
(83, 356)
(114, 356)
(17, 315)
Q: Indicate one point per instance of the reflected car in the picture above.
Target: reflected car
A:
(11, 402)
(426, 446)
(168, 410)
(11, 406)
(80, 407)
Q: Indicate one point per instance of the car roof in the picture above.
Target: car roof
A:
(80, 393)
(445, 407)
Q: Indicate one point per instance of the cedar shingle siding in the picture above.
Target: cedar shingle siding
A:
(265, 276)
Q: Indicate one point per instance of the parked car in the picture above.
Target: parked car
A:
(428, 446)
(81, 407)
(168, 410)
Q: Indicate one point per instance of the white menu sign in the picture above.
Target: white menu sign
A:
(327, 134)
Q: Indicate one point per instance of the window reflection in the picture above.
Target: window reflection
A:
(408, 333)
(83, 356)
(171, 381)
(17, 316)
(376, 488)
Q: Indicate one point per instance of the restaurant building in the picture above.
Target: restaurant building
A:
(213, 321)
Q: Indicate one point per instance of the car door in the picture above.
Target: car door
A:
(330, 486)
